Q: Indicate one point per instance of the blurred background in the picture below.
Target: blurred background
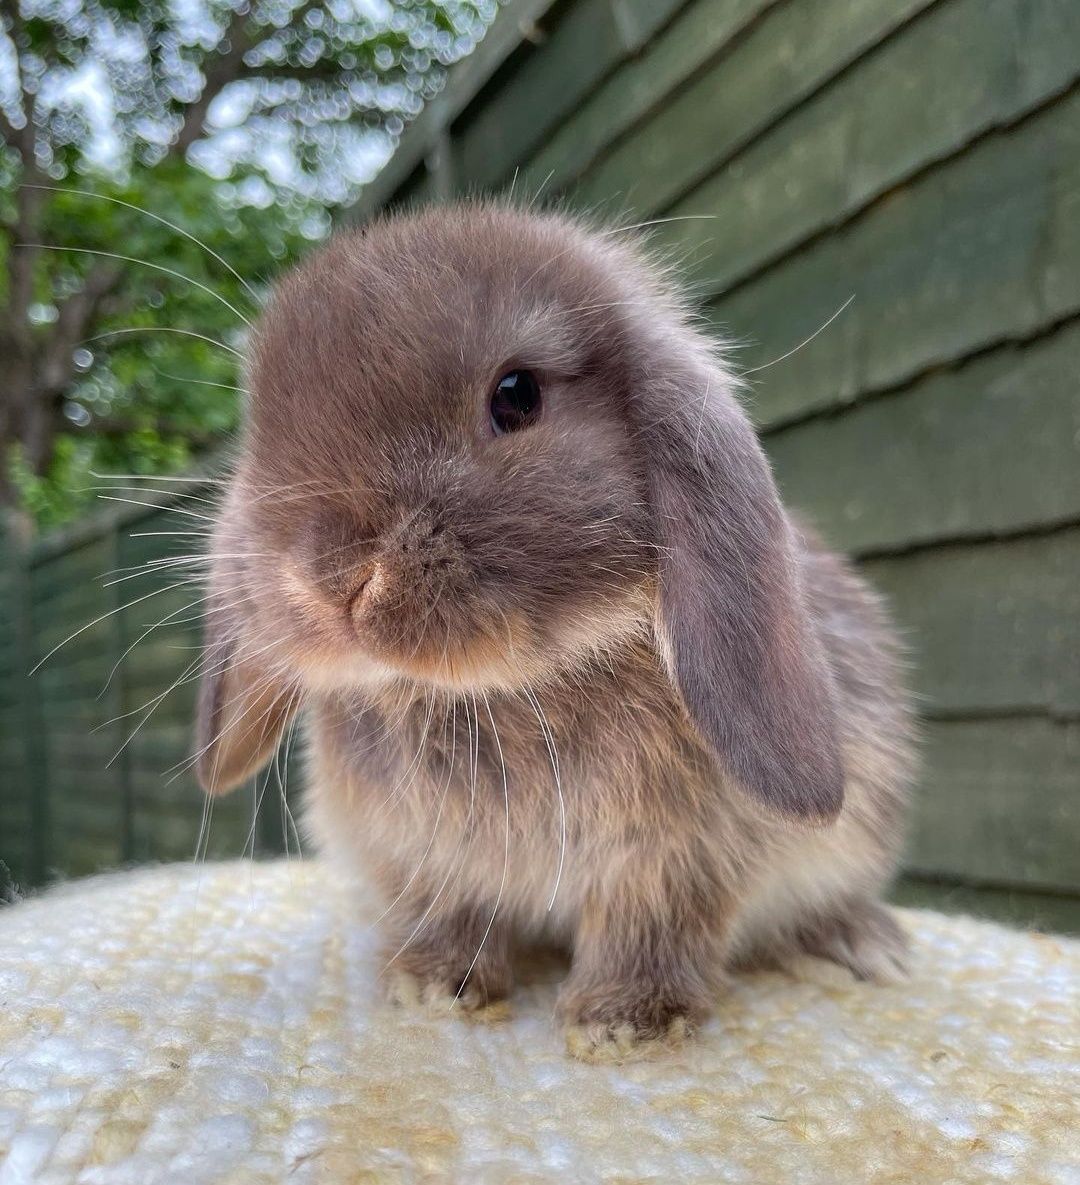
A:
(877, 200)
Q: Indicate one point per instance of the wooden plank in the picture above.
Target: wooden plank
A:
(35, 786)
(1053, 913)
(940, 459)
(991, 61)
(992, 627)
(85, 857)
(514, 31)
(68, 539)
(782, 60)
(580, 49)
(16, 816)
(81, 572)
(637, 87)
(587, 43)
(999, 802)
(998, 223)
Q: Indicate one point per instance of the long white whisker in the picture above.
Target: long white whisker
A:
(101, 197)
(549, 741)
(146, 633)
(435, 828)
(162, 329)
(157, 267)
(618, 230)
(506, 855)
(155, 506)
(103, 617)
(183, 378)
(805, 342)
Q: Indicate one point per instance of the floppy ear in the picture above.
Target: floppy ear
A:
(243, 707)
(731, 619)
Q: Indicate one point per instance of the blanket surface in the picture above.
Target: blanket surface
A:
(222, 1024)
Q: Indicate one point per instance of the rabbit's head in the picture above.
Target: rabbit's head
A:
(483, 445)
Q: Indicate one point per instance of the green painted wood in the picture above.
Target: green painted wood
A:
(782, 60)
(17, 815)
(991, 627)
(583, 46)
(991, 61)
(515, 22)
(1048, 912)
(984, 250)
(999, 802)
(58, 581)
(991, 447)
(935, 415)
(703, 30)
(38, 849)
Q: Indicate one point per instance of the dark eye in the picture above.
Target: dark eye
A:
(516, 402)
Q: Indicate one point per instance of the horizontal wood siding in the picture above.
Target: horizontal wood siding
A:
(18, 827)
(106, 766)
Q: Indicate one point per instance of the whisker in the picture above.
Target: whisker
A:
(82, 629)
(283, 775)
(549, 741)
(146, 633)
(506, 856)
(162, 329)
(804, 342)
(173, 534)
(102, 197)
(183, 378)
(157, 267)
(154, 506)
(453, 867)
(184, 494)
(438, 816)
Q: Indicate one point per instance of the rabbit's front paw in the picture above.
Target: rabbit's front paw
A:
(451, 964)
(621, 1025)
(439, 993)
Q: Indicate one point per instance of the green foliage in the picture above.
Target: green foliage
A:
(242, 128)
(148, 397)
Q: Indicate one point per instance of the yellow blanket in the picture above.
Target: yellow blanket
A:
(190, 1025)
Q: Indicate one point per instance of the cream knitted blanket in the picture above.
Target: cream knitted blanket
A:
(219, 1025)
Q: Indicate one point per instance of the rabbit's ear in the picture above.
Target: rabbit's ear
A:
(731, 619)
(243, 708)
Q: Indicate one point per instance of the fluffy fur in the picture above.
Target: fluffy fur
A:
(585, 682)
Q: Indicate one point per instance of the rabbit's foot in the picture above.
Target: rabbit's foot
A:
(441, 996)
(455, 963)
(861, 935)
(621, 1026)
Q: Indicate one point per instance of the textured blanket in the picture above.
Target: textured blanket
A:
(185, 1025)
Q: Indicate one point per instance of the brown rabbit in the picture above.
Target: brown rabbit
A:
(571, 671)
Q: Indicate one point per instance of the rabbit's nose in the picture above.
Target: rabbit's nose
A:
(369, 587)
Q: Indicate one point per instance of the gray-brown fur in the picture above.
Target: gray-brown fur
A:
(615, 592)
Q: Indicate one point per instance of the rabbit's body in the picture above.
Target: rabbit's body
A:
(649, 822)
(571, 672)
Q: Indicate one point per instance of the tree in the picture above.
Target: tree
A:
(238, 125)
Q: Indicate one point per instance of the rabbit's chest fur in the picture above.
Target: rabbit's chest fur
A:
(536, 800)
(575, 776)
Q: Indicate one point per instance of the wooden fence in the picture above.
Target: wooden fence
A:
(922, 156)
(76, 794)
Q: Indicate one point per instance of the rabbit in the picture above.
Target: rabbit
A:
(570, 671)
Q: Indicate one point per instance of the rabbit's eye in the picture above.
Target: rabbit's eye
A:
(515, 403)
